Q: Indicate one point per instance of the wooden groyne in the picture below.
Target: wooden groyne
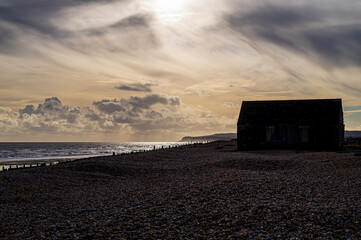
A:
(11, 167)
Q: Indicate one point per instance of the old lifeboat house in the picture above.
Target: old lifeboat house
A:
(291, 124)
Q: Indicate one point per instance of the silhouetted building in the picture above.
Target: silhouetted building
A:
(291, 124)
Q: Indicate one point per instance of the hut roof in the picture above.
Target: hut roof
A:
(324, 111)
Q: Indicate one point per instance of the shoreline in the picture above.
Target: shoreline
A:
(194, 191)
(19, 163)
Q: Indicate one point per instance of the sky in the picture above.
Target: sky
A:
(158, 70)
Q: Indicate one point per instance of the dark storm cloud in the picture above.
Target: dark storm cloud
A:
(269, 16)
(29, 109)
(153, 115)
(135, 111)
(136, 87)
(149, 100)
(20, 18)
(340, 45)
(109, 106)
(6, 39)
(34, 14)
(135, 105)
(138, 20)
(307, 30)
(25, 11)
(134, 21)
(124, 118)
(129, 34)
(50, 104)
(92, 116)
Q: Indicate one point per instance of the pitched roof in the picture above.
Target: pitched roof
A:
(291, 111)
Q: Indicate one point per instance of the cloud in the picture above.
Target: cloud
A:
(152, 99)
(5, 110)
(56, 22)
(136, 87)
(34, 16)
(137, 20)
(268, 16)
(203, 92)
(50, 105)
(53, 116)
(151, 115)
(157, 113)
(132, 32)
(329, 36)
(350, 110)
(7, 121)
(109, 106)
(229, 105)
(29, 109)
(135, 105)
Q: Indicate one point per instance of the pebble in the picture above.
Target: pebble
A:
(210, 192)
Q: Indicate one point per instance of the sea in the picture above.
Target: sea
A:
(10, 151)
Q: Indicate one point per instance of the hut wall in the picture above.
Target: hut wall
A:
(307, 124)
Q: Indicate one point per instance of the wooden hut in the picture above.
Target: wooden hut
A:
(291, 124)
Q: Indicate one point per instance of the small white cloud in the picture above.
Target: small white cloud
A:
(5, 110)
(180, 92)
(203, 92)
(229, 105)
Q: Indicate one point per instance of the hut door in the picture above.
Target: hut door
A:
(270, 134)
(303, 133)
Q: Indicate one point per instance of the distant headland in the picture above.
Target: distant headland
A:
(210, 138)
(230, 136)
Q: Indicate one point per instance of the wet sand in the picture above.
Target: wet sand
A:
(204, 191)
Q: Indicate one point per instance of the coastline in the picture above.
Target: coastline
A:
(14, 163)
(193, 191)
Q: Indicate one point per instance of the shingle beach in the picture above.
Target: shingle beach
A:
(205, 191)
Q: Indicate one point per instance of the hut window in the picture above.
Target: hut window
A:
(270, 133)
(304, 133)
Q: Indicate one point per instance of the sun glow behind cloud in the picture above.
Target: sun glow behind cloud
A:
(90, 16)
(166, 5)
(170, 11)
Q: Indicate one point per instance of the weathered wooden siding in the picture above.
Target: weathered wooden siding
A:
(291, 122)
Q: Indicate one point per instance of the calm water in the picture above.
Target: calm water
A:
(14, 151)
